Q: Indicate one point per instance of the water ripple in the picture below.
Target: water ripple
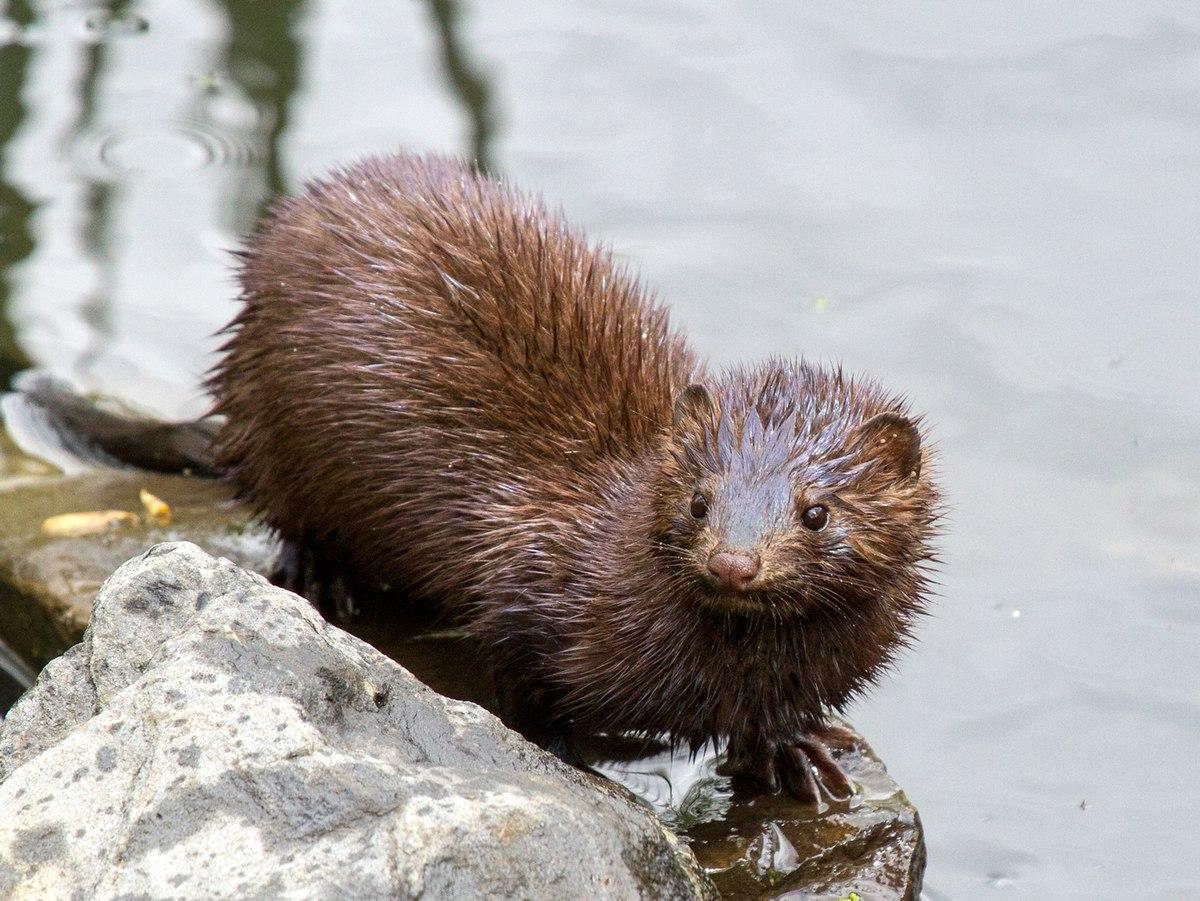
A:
(160, 149)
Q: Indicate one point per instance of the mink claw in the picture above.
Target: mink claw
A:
(803, 767)
(797, 773)
(302, 570)
(836, 782)
(833, 733)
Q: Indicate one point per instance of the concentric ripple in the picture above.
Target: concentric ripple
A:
(160, 149)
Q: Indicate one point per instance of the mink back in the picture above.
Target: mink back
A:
(424, 362)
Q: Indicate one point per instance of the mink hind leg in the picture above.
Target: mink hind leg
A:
(532, 708)
(312, 571)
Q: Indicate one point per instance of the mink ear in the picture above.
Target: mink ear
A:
(892, 441)
(692, 403)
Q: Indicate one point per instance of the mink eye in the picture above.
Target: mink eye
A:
(699, 508)
(815, 517)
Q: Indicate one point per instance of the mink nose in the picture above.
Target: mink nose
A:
(734, 569)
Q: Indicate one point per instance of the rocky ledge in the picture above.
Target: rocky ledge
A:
(213, 736)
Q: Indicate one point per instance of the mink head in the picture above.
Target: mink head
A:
(790, 488)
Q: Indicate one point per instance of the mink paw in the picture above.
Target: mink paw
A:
(801, 766)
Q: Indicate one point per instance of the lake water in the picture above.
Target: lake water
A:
(994, 207)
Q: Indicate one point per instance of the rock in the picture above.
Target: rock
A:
(212, 735)
(769, 846)
(47, 584)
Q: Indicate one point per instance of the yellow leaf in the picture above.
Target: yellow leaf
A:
(94, 522)
(157, 510)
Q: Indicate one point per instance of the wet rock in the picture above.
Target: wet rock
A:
(47, 583)
(769, 846)
(211, 735)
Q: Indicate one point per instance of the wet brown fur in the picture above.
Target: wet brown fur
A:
(440, 385)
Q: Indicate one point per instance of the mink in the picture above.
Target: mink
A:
(434, 382)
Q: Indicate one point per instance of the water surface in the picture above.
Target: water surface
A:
(994, 207)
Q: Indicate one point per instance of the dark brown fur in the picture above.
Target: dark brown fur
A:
(436, 384)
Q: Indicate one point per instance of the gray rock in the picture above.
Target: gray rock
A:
(212, 736)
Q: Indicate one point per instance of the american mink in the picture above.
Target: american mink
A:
(435, 383)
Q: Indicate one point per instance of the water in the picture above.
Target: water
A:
(992, 206)
(15, 677)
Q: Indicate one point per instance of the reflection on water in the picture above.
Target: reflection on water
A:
(992, 207)
(684, 789)
(97, 192)
(15, 239)
(263, 57)
(15, 677)
(467, 82)
(115, 21)
(155, 142)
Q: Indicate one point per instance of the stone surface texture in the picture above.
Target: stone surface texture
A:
(212, 736)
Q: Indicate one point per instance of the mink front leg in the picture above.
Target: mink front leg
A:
(789, 763)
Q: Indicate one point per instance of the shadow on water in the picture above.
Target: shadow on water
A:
(466, 80)
(16, 242)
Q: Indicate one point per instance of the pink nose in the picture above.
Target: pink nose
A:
(734, 569)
